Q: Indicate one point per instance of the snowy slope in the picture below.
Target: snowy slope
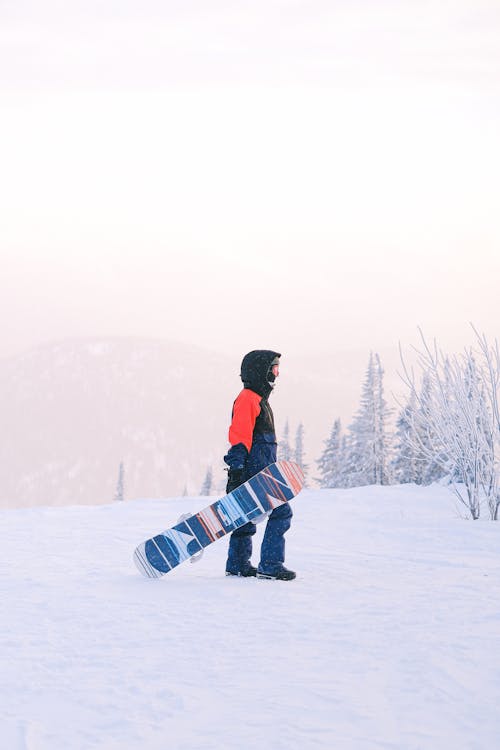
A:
(389, 638)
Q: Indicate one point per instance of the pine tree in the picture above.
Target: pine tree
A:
(299, 449)
(344, 476)
(382, 436)
(120, 485)
(284, 449)
(405, 465)
(360, 440)
(367, 445)
(329, 464)
(206, 487)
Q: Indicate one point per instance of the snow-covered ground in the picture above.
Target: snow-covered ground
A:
(389, 638)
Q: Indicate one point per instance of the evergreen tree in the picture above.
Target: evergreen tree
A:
(284, 449)
(405, 464)
(120, 485)
(383, 438)
(299, 449)
(368, 445)
(329, 464)
(360, 441)
(206, 487)
(344, 477)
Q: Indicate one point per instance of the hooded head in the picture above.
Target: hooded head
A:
(255, 371)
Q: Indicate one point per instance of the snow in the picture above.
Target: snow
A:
(388, 639)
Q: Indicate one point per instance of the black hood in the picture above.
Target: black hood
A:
(254, 370)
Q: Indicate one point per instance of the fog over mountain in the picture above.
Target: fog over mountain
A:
(73, 410)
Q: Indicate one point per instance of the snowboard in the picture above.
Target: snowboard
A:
(273, 486)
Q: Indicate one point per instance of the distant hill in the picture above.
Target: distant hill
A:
(72, 411)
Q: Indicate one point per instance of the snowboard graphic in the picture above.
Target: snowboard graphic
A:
(273, 486)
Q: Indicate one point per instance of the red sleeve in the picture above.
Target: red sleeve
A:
(246, 409)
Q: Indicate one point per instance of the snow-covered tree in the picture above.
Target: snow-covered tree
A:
(299, 449)
(330, 462)
(431, 454)
(284, 448)
(490, 420)
(383, 439)
(206, 487)
(367, 444)
(458, 428)
(416, 446)
(120, 485)
(345, 468)
(405, 462)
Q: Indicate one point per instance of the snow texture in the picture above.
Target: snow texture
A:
(389, 639)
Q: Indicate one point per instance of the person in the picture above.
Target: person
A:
(253, 447)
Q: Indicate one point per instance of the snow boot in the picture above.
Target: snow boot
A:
(249, 572)
(283, 574)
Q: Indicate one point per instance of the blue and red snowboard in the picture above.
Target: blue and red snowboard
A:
(274, 486)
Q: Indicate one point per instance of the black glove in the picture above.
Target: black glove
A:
(234, 479)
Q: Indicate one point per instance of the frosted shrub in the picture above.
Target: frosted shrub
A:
(456, 426)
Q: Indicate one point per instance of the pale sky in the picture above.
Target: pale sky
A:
(283, 174)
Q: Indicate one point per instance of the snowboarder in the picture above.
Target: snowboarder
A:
(253, 447)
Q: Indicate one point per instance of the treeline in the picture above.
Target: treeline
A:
(374, 450)
(362, 454)
(447, 428)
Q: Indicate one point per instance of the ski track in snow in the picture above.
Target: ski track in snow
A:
(388, 639)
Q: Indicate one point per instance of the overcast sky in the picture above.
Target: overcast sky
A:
(284, 174)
